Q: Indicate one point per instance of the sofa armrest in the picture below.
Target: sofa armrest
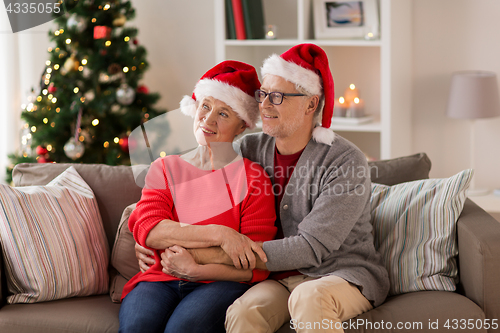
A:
(479, 253)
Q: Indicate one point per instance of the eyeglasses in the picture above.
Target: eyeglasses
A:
(275, 97)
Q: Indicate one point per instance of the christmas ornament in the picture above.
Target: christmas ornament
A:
(42, 159)
(114, 69)
(86, 72)
(119, 21)
(89, 96)
(77, 22)
(102, 32)
(74, 149)
(116, 108)
(103, 52)
(125, 95)
(124, 144)
(143, 90)
(135, 41)
(41, 150)
(71, 64)
(104, 78)
(52, 89)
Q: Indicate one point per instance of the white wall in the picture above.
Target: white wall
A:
(448, 36)
(179, 38)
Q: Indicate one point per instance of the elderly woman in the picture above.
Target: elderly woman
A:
(202, 199)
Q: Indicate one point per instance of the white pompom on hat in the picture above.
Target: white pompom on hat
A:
(306, 65)
(231, 82)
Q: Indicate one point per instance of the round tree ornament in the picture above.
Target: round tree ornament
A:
(77, 22)
(125, 95)
(51, 88)
(41, 150)
(74, 149)
(119, 21)
(71, 64)
(123, 144)
(143, 89)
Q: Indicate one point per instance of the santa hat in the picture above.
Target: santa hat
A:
(306, 65)
(231, 82)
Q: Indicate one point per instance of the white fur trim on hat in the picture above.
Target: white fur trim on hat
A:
(294, 73)
(188, 106)
(323, 135)
(243, 104)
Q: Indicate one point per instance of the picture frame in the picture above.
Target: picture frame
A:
(346, 19)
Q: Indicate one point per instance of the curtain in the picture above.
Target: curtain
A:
(22, 60)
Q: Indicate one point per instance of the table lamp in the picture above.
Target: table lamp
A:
(473, 95)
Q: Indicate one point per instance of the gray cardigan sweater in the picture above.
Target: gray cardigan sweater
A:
(325, 215)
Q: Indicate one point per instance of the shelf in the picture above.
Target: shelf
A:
(292, 42)
(381, 68)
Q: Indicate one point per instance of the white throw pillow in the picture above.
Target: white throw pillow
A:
(53, 240)
(415, 231)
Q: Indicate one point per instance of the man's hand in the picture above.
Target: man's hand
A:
(241, 249)
(177, 261)
(216, 255)
(145, 257)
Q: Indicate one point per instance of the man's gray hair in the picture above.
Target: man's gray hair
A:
(319, 110)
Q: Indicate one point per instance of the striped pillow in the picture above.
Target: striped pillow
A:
(415, 231)
(53, 241)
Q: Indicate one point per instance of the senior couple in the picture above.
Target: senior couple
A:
(240, 249)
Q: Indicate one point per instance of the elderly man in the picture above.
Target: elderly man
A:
(325, 267)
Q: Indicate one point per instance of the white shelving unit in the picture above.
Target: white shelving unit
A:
(381, 69)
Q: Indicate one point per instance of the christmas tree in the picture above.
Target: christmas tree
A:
(90, 97)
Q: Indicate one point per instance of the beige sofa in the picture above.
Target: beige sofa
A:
(477, 298)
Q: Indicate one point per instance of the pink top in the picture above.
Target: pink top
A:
(238, 196)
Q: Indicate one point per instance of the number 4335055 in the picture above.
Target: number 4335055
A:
(33, 8)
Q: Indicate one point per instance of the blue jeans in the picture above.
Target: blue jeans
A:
(178, 306)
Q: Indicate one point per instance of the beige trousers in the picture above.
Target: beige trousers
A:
(307, 304)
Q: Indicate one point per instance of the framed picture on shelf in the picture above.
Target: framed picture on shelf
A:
(346, 19)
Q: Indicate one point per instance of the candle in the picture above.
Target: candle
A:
(356, 108)
(339, 107)
(271, 31)
(350, 93)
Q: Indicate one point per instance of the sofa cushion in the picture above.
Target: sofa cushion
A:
(53, 240)
(91, 314)
(415, 312)
(415, 231)
(114, 186)
(400, 170)
(123, 256)
(116, 286)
